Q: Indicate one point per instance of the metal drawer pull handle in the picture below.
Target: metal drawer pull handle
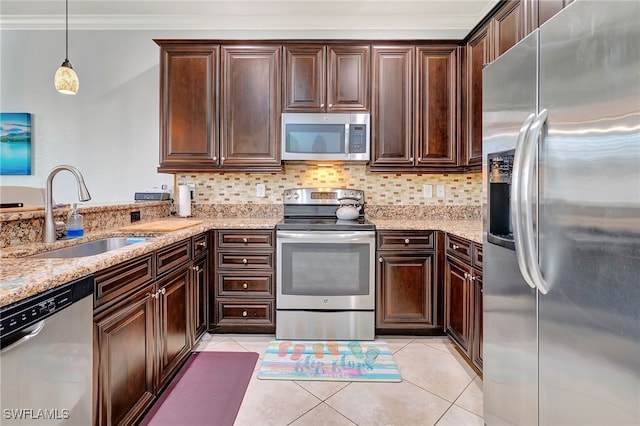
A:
(245, 285)
(245, 261)
(245, 313)
(406, 241)
(202, 244)
(455, 247)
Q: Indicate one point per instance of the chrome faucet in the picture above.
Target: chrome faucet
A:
(83, 195)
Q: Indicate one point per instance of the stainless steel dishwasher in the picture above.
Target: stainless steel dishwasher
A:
(46, 359)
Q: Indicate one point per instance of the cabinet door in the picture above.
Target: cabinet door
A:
(547, 8)
(174, 332)
(476, 353)
(348, 78)
(508, 27)
(188, 107)
(478, 53)
(457, 299)
(125, 348)
(304, 81)
(392, 106)
(405, 289)
(200, 297)
(436, 106)
(250, 107)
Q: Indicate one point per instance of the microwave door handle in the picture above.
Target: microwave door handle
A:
(531, 249)
(347, 137)
(517, 206)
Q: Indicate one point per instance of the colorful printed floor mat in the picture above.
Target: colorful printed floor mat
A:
(350, 361)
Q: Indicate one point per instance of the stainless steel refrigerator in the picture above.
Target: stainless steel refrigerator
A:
(561, 200)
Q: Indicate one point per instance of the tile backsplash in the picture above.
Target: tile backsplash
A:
(380, 189)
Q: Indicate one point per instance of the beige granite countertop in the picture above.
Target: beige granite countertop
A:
(469, 229)
(21, 277)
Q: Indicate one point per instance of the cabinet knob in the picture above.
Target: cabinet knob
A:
(215, 158)
(245, 285)
(321, 105)
(419, 159)
(466, 275)
(196, 268)
(330, 105)
(380, 259)
(245, 313)
(245, 240)
(406, 241)
(455, 247)
(245, 261)
(222, 158)
(162, 291)
(202, 244)
(153, 295)
(411, 159)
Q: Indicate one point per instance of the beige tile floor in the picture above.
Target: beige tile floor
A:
(438, 388)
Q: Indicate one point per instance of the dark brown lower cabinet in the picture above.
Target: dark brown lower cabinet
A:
(406, 283)
(124, 338)
(457, 302)
(200, 297)
(463, 297)
(143, 336)
(174, 334)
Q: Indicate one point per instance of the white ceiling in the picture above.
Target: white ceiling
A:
(436, 19)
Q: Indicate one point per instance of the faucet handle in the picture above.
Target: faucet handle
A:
(61, 230)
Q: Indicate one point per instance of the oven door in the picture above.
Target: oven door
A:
(325, 270)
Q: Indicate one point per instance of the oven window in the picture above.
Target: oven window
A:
(315, 138)
(325, 269)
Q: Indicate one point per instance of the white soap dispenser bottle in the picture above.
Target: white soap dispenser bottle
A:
(75, 223)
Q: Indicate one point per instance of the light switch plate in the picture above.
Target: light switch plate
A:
(440, 190)
(427, 190)
(260, 190)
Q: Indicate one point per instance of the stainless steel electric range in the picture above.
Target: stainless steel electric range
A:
(325, 274)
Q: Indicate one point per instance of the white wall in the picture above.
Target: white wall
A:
(109, 130)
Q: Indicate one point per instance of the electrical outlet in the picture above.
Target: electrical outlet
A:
(260, 190)
(440, 190)
(135, 216)
(427, 190)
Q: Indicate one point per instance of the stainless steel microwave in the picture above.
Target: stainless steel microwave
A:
(325, 136)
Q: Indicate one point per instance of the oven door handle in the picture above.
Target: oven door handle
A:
(326, 236)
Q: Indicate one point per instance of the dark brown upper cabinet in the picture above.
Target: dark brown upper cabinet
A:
(326, 78)
(250, 107)
(508, 27)
(219, 107)
(414, 108)
(188, 106)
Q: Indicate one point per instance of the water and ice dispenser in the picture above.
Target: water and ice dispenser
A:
(500, 169)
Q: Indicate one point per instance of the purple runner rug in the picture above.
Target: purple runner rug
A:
(208, 390)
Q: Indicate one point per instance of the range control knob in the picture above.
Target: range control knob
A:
(296, 195)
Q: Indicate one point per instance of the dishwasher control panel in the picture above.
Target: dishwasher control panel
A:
(22, 314)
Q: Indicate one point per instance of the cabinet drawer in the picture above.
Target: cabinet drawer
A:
(173, 256)
(477, 256)
(200, 244)
(245, 238)
(406, 240)
(231, 285)
(459, 247)
(247, 260)
(122, 279)
(238, 311)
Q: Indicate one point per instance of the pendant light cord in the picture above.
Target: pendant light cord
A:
(66, 57)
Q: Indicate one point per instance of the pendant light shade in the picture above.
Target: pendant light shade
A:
(66, 80)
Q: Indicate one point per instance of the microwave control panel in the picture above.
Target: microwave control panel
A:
(358, 138)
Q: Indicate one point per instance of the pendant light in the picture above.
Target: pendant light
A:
(66, 79)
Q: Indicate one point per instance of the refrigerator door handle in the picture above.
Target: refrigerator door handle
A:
(531, 250)
(516, 201)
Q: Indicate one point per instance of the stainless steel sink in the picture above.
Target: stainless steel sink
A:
(90, 248)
